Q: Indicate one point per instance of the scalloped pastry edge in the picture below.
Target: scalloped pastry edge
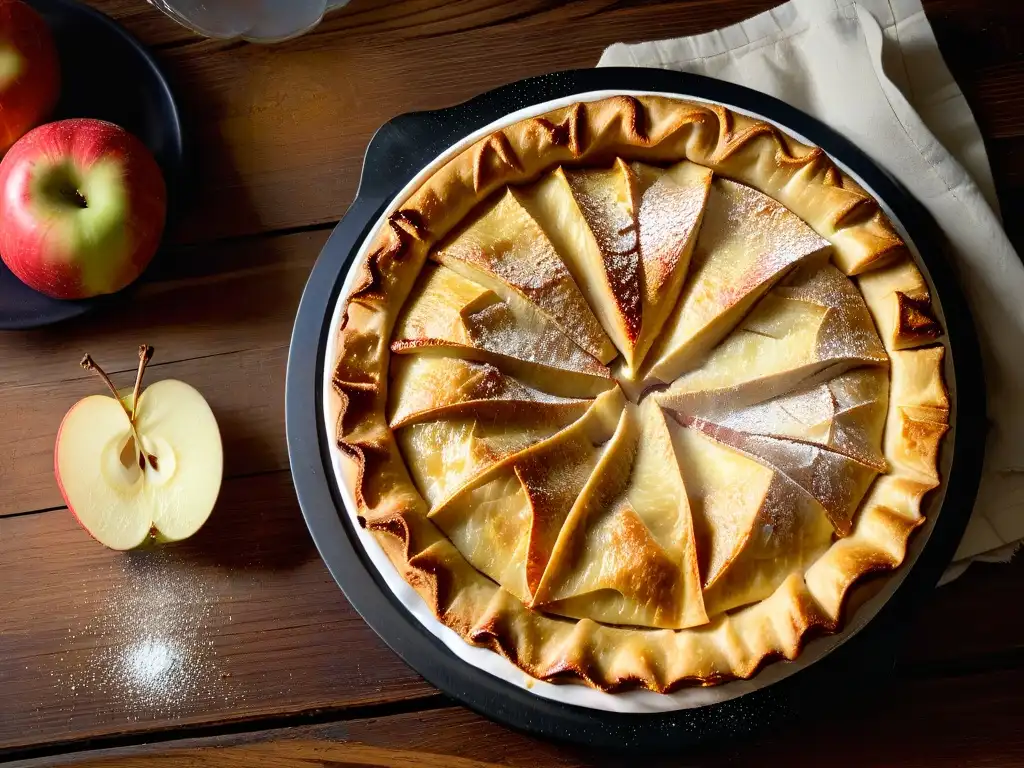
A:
(612, 658)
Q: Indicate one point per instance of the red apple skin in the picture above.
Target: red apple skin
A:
(29, 92)
(56, 472)
(102, 242)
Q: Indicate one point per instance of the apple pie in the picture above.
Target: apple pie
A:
(633, 392)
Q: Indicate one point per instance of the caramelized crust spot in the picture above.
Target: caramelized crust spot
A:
(495, 158)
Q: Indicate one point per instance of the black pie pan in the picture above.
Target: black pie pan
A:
(105, 74)
(857, 664)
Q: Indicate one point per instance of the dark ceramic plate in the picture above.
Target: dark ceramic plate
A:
(833, 671)
(105, 74)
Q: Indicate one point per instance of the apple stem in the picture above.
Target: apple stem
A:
(145, 355)
(90, 365)
(75, 198)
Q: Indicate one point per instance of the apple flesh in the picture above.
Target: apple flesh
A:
(82, 208)
(29, 71)
(124, 494)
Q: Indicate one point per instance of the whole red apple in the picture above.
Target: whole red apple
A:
(82, 208)
(29, 71)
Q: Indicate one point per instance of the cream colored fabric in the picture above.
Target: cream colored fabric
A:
(873, 71)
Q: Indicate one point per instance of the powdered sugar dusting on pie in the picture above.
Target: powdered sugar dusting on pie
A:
(607, 201)
(668, 214)
(774, 439)
(711, 484)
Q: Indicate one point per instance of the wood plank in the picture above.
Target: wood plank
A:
(1006, 156)
(284, 127)
(221, 320)
(974, 43)
(245, 389)
(244, 621)
(970, 618)
(972, 720)
(196, 302)
(240, 621)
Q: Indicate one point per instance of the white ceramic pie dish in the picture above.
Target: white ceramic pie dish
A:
(635, 701)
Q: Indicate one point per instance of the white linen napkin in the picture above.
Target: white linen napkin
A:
(872, 71)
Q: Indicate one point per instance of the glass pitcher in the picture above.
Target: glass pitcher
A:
(259, 21)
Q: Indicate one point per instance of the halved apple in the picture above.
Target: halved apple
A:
(140, 467)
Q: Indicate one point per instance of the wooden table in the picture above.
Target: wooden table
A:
(237, 648)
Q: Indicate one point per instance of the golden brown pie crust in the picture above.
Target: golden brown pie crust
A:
(651, 129)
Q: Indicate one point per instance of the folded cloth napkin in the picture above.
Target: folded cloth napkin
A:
(872, 71)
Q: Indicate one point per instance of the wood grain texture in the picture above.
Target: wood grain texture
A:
(962, 721)
(244, 623)
(968, 620)
(198, 302)
(243, 620)
(281, 130)
(221, 321)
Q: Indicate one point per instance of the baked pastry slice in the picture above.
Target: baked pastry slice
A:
(845, 415)
(835, 481)
(672, 203)
(627, 554)
(590, 215)
(447, 314)
(747, 242)
(506, 251)
(754, 526)
(429, 387)
(506, 521)
(716, 520)
(449, 452)
(918, 419)
(811, 327)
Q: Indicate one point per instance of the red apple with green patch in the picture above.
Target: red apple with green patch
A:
(82, 208)
(29, 71)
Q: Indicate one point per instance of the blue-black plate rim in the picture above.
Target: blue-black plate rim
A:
(87, 41)
(852, 671)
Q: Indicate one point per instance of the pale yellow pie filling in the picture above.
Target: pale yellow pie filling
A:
(640, 418)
